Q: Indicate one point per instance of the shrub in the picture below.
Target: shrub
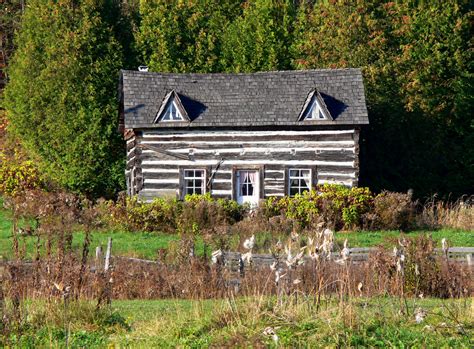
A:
(130, 214)
(201, 215)
(393, 211)
(335, 205)
(17, 175)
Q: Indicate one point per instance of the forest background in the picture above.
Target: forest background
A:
(61, 61)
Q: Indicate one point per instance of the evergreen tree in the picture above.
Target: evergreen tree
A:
(183, 36)
(418, 71)
(61, 99)
(260, 39)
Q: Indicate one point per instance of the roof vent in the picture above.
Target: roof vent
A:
(143, 68)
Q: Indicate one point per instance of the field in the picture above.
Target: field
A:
(375, 322)
(307, 298)
(146, 244)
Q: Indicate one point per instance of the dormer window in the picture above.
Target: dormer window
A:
(314, 108)
(314, 112)
(172, 109)
(172, 113)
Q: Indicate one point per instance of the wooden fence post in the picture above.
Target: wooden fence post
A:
(108, 255)
(98, 257)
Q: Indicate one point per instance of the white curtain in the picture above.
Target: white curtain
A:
(253, 178)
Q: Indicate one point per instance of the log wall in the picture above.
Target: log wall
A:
(155, 158)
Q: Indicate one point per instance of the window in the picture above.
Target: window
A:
(315, 108)
(171, 109)
(247, 182)
(194, 182)
(172, 113)
(314, 112)
(299, 180)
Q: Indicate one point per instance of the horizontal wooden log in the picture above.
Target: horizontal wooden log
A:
(252, 134)
(168, 180)
(342, 175)
(159, 186)
(270, 194)
(221, 186)
(212, 146)
(270, 183)
(274, 176)
(225, 152)
(161, 175)
(153, 163)
(335, 181)
(226, 193)
(147, 194)
(284, 156)
(222, 175)
(243, 139)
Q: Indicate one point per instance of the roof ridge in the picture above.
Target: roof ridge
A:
(150, 73)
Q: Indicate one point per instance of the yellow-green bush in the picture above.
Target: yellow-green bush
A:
(336, 205)
(17, 176)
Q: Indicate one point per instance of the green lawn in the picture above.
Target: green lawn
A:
(373, 238)
(376, 322)
(146, 245)
(142, 245)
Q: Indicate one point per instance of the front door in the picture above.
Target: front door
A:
(247, 187)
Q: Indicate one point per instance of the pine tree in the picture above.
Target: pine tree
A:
(260, 39)
(61, 99)
(417, 67)
(183, 36)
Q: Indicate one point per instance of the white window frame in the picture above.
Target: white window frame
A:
(185, 178)
(172, 104)
(314, 112)
(299, 178)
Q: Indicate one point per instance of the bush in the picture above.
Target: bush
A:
(335, 205)
(129, 214)
(17, 175)
(211, 219)
(196, 214)
(393, 211)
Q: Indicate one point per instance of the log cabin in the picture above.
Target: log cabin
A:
(240, 136)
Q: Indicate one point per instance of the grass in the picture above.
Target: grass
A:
(145, 245)
(375, 322)
(373, 238)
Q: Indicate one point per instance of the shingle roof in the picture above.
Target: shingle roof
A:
(243, 100)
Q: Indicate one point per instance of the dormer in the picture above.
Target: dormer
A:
(314, 108)
(172, 109)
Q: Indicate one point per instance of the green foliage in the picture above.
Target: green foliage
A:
(17, 175)
(203, 215)
(183, 36)
(61, 98)
(260, 38)
(78, 323)
(417, 66)
(130, 214)
(335, 205)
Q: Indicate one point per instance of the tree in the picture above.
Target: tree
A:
(417, 65)
(259, 40)
(183, 36)
(61, 97)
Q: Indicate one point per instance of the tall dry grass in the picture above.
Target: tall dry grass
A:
(441, 214)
